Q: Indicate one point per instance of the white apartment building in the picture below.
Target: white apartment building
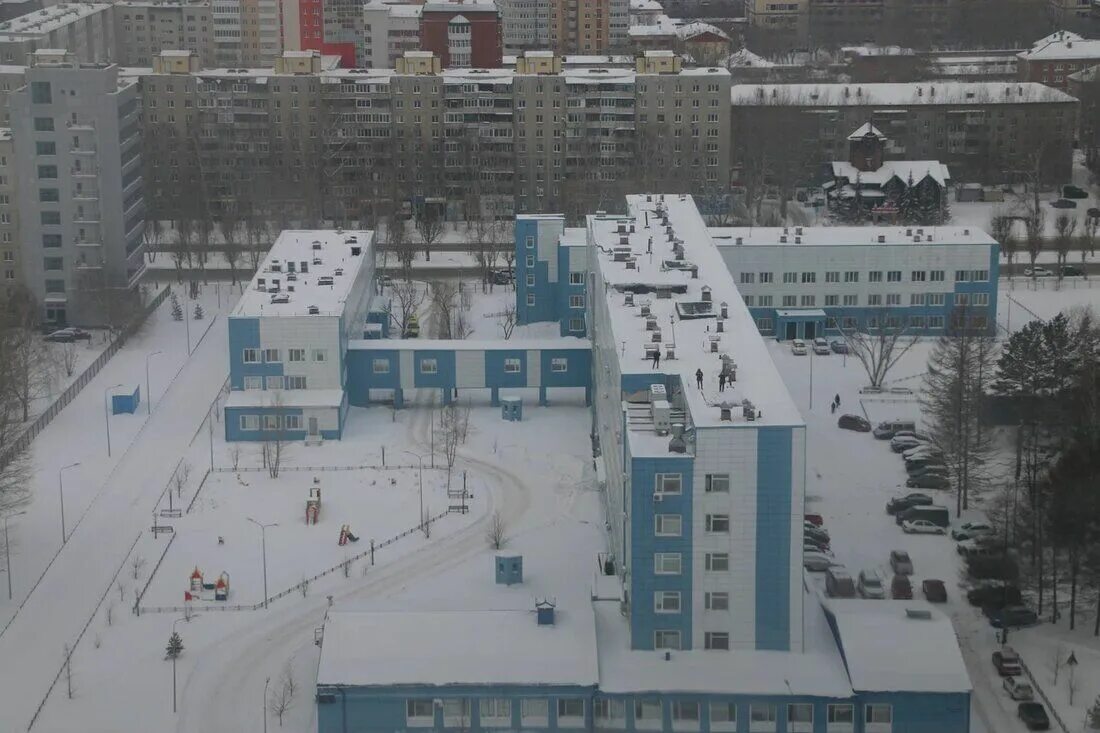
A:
(525, 24)
(144, 28)
(85, 30)
(10, 274)
(389, 30)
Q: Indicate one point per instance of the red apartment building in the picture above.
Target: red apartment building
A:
(463, 34)
(1053, 59)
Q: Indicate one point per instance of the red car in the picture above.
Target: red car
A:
(815, 519)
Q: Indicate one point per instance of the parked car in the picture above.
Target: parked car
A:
(839, 583)
(977, 548)
(1013, 617)
(971, 530)
(885, 430)
(798, 347)
(1063, 204)
(901, 443)
(934, 590)
(1018, 690)
(919, 461)
(384, 280)
(899, 504)
(921, 526)
(928, 481)
(1073, 271)
(1034, 715)
(1074, 192)
(819, 534)
(937, 515)
(870, 585)
(815, 519)
(816, 562)
(900, 562)
(928, 469)
(901, 588)
(994, 595)
(922, 451)
(821, 346)
(1093, 213)
(502, 277)
(1007, 662)
(838, 347)
(68, 335)
(1038, 272)
(908, 433)
(412, 328)
(854, 422)
(814, 546)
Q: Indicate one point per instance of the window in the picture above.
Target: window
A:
(250, 422)
(831, 300)
(40, 92)
(685, 715)
(723, 716)
(979, 299)
(530, 242)
(55, 286)
(559, 364)
(765, 325)
(295, 354)
(917, 276)
(718, 523)
(609, 713)
(666, 601)
(893, 276)
(790, 301)
(749, 300)
(832, 277)
(272, 422)
(893, 299)
(271, 356)
(293, 422)
(935, 276)
(43, 124)
(962, 276)
(530, 260)
(668, 525)
(295, 382)
(570, 712)
(320, 354)
(53, 263)
(250, 356)
(667, 563)
(878, 713)
(790, 277)
(716, 601)
(45, 147)
(530, 280)
(47, 171)
(511, 366)
(843, 715)
(495, 712)
(979, 276)
(765, 278)
(380, 366)
(800, 717)
(874, 276)
(48, 195)
(761, 718)
(253, 383)
(808, 300)
(718, 562)
(273, 382)
(765, 301)
(576, 301)
(456, 712)
(809, 277)
(668, 483)
(647, 713)
(718, 483)
(576, 278)
(530, 299)
(716, 640)
(429, 366)
(51, 240)
(851, 276)
(874, 299)
(534, 711)
(50, 217)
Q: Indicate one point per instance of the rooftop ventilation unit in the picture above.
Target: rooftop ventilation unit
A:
(324, 280)
(740, 240)
(662, 416)
(316, 244)
(338, 271)
(280, 298)
(621, 229)
(725, 309)
(313, 310)
(356, 251)
(291, 277)
(656, 336)
(625, 240)
(651, 323)
(725, 414)
(782, 238)
(316, 261)
(748, 410)
(920, 614)
(632, 264)
(645, 309)
(630, 299)
(658, 392)
(721, 326)
(677, 444)
(706, 294)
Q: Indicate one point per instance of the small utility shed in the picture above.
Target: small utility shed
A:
(904, 653)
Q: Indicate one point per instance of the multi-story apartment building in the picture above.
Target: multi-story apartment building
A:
(85, 30)
(11, 78)
(1064, 12)
(1053, 59)
(536, 137)
(143, 28)
(588, 26)
(983, 131)
(11, 275)
(526, 24)
(389, 30)
(81, 194)
(462, 34)
(781, 15)
(246, 32)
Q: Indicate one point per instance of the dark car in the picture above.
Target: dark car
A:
(68, 335)
(1012, 617)
(1007, 662)
(899, 504)
(502, 277)
(839, 347)
(934, 590)
(815, 519)
(1093, 213)
(928, 481)
(901, 588)
(994, 595)
(1034, 715)
(810, 542)
(1064, 204)
(818, 534)
(928, 469)
(854, 422)
(1073, 271)
(1074, 192)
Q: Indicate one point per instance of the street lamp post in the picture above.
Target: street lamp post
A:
(148, 391)
(263, 545)
(61, 494)
(107, 417)
(7, 547)
(183, 618)
(266, 683)
(421, 460)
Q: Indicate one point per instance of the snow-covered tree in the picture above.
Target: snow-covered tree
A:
(908, 209)
(175, 646)
(177, 309)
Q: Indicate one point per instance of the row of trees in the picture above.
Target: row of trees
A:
(1070, 234)
(917, 204)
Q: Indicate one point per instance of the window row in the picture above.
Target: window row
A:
(671, 563)
(873, 299)
(672, 525)
(853, 276)
(271, 422)
(275, 356)
(672, 483)
(274, 382)
(511, 365)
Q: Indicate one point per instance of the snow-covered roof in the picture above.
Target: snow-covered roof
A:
(325, 282)
(460, 647)
(888, 649)
(745, 57)
(891, 168)
(40, 22)
(687, 31)
(647, 250)
(866, 129)
(574, 237)
(1057, 36)
(847, 236)
(1070, 49)
(563, 343)
(872, 51)
(649, 5)
(901, 94)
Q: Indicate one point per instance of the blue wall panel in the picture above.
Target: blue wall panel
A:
(244, 333)
(495, 376)
(444, 376)
(773, 537)
(578, 368)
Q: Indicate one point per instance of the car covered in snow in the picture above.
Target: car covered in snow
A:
(1007, 662)
(928, 481)
(870, 584)
(1038, 271)
(901, 443)
(821, 346)
(816, 562)
(921, 526)
(838, 347)
(798, 347)
(1018, 690)
(971, 530)
(899, 504)
(900, 562)
(934, 590)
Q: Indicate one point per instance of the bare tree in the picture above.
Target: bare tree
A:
(429, 227)
(275, 436)
(1088, 240)
(183, 249)
(27, 361)
(153, 235)
(228, 223)
(109, 613)
(137, 564)
(67, 652)
(409, 296)
(1064, 227)
(506, 319)
(445, 303)
(1000, 228)
(67, 358)
(1033, 230)
(282, 695)
(879, 348)
(454, 422)
(497, 530)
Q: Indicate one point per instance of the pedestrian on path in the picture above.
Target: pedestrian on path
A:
(722, 382)
(834, 407)
(656, 359)
(837, 400)
(699, 378)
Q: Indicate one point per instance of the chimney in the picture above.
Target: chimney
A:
(725, 310)
(706, 294)
(721, 326)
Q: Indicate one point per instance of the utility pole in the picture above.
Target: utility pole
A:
(107, 417)
(61, 492)
(420, 522)
(148, 390)
(263, 545)
(7, 547)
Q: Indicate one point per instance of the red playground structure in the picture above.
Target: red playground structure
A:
(313, 504)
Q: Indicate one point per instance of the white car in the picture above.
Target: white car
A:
(1038, 272)
(971, 530)
(904, 443)
(821, 346)
(816, 562)
(798, 347)
(921, 526)
(1017, 690)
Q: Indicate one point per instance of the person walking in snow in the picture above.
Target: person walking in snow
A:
(699, 378)
(837, 400)
(656, 359)
(722, 382)
(834, 407)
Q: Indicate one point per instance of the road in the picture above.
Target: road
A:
(60, 606)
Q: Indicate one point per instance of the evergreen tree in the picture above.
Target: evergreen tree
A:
(199, 313)
(175, 646)
(1022, 368)
(177, 310)
(1094, 715)
(908, 211)
(928, 205)
(859, 211)
(945, 205)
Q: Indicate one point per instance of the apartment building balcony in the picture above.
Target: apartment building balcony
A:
(82, 149)
(84, 172)
(87, 245)
(89, 265)
(80, 126)
(86, 196)
(131, 186)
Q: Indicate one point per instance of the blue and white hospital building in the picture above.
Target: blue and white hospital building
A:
(695, 613)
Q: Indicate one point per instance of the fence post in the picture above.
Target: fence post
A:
(372, 552)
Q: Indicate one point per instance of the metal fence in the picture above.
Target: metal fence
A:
(23, 441)
(152, 574)
(1037, 688)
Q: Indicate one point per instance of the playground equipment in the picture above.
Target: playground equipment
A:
(313, 503)
(200, 590)
(346, 536)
